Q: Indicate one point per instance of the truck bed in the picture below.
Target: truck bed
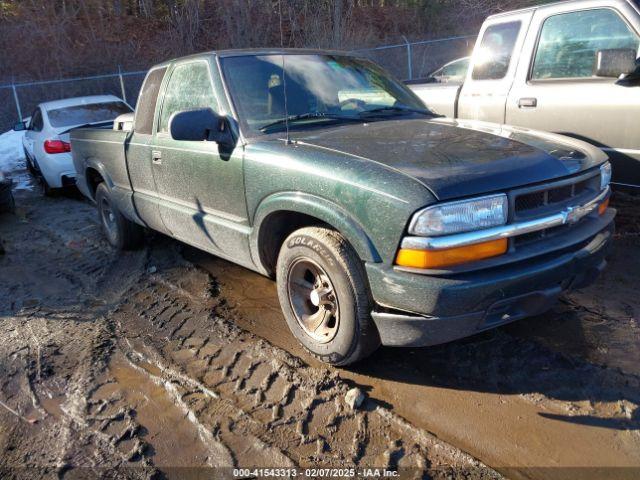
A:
(101, 149)
(440, 98)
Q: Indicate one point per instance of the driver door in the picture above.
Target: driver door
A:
(200, 192)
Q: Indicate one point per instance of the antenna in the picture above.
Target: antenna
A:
(284, 93)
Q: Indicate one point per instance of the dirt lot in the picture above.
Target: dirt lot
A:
(162, 362)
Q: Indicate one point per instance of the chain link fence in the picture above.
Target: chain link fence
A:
(18, 100)
(409, 60)
(413, 60)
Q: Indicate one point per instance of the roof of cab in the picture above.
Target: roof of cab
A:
(71, 102)
(545, 6)
(243, 52)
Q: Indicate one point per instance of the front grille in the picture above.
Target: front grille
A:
(561, 194)
(530, 201)
(535, 202)
(553, 198)
(527, 238)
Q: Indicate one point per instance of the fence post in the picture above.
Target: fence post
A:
(409, 58)
(124, 91)
(17, 100)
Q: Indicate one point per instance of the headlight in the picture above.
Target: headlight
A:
(605, 175)
(461, 216)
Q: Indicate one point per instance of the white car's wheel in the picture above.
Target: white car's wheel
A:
(30, 166)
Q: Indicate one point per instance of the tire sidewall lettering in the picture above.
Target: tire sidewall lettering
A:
(314, 245)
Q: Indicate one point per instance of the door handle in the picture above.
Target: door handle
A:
(528, 103)
(156, 157)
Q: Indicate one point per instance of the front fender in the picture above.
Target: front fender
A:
(320, 208)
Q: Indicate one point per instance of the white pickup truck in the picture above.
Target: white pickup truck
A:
(568, 67)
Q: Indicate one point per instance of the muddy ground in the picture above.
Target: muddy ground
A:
(165, 361)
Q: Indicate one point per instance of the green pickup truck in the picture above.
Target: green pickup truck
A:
(381, 222)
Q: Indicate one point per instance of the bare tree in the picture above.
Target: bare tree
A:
(94, 36)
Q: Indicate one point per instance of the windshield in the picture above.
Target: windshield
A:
(320, 89)
(82, 114)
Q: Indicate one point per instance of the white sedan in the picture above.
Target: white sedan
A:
(46, 140)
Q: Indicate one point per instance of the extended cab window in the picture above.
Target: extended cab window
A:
(189, 88)
(568, 42)
(146, 106)
(491, 61)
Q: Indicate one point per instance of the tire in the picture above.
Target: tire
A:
(30, 166)
(10, 206)
(121, 233)
(47, 191)
(334, 323)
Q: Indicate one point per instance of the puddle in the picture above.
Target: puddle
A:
(538, 407)
(53, 405)
(165, 425)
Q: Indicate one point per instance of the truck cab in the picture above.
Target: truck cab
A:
(567, 67)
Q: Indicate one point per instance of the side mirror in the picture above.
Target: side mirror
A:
(200, 125)
(20, 126)
(614, 62)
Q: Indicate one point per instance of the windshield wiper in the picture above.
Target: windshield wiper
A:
(393, 109)
(306, 116)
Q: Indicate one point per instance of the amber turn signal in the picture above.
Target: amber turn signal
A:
(451, 256)
(603, 207)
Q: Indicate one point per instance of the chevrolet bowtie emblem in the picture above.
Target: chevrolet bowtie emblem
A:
(571, 215)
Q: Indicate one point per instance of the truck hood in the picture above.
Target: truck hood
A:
(455, 158)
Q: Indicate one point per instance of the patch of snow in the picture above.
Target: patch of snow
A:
(11, 152)
(12, 161)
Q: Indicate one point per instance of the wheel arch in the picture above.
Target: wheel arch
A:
(94, 174)
(281, 214)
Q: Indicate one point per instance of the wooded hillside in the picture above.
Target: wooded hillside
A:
(58, 38)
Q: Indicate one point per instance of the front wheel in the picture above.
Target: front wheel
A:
(121, 232)
(325, 296)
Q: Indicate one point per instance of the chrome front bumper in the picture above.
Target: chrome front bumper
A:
(569, 215)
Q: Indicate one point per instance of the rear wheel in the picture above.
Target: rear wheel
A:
(47, 191)
(325, 297)
(121, 232)
(10, 206)
(30, 167)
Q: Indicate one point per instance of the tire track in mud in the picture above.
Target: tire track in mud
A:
(256, 403)
(58, 280)
(124, 365)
